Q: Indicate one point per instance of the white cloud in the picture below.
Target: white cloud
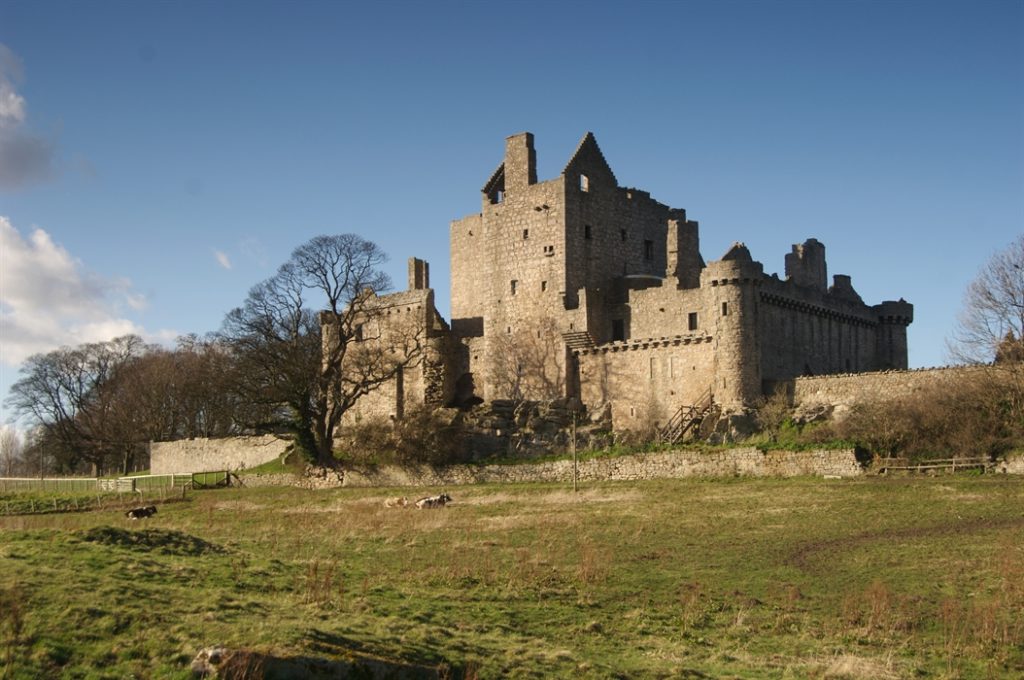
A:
(24, 157)
(49, 299)
(222, 259)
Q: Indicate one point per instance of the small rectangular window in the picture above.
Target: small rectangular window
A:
(584, 183)
(648, 250)
(692, 321)
(622, 234)
(543, 286)
(587, 232)
(618, 330)
(513, 286)
(526, 234)
(549, 251)
(725, 309)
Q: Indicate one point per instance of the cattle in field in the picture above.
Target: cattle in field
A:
(396, 502)
(434, 501)
(141, 513)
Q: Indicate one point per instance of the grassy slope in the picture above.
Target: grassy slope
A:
(871, 578)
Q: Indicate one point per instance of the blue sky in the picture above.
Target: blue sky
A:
(158, 159)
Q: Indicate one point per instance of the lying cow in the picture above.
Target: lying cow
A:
(141, 513)
(434, 501)
(396, 502)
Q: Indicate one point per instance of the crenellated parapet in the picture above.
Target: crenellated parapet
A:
(896, 312)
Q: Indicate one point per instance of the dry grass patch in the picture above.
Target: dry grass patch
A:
(852, 667)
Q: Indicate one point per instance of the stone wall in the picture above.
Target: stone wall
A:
(207, 455)
(748, 462)
(1013, 464)
(843, 391)
(646, 381)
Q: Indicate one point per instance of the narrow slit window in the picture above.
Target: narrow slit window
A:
(526, 234)
(543, 286)
(725, 309)
(588, 232)
(512, 288)
(622, 235)
(692, 321)
(648, 250)
(584, 183)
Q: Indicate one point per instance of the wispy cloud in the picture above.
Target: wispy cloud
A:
(222, 259)
(24, 157)
(48, 298)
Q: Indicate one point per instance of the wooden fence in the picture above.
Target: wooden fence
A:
(885, 465)
(131, 484)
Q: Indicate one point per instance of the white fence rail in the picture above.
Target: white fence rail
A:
(131, 484)
(52, 484)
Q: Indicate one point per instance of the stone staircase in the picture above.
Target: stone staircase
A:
(578, 340)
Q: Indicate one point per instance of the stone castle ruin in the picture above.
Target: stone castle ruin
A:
(578, 289)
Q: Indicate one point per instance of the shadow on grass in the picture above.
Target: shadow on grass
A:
(160, 540)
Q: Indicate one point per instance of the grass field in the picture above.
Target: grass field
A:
(805, 578)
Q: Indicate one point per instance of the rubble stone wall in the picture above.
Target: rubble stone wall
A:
(208, 455)
(749, 462)
(842, 391)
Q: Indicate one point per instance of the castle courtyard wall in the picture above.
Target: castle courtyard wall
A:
(646, 381)
(210, 455)
(844, 391)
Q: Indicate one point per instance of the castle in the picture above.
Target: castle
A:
(575, 287)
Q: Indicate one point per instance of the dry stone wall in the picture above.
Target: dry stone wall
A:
(843, 391)
(207, 455)
(1013, 464)
(747, 462)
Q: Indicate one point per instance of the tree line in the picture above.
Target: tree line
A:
(270, 368)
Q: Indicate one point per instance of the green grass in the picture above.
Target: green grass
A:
(22, 503)
(277, 466)
(801, 578)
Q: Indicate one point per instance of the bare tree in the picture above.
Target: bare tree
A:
(301, 380)
(11, 449)
(991, 324)
(62, 392)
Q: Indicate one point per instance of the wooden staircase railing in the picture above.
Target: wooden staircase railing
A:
(686, 418)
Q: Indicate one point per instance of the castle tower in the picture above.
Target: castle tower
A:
(733, 284)
(805, 265)
(891, 335)
(684, 262)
